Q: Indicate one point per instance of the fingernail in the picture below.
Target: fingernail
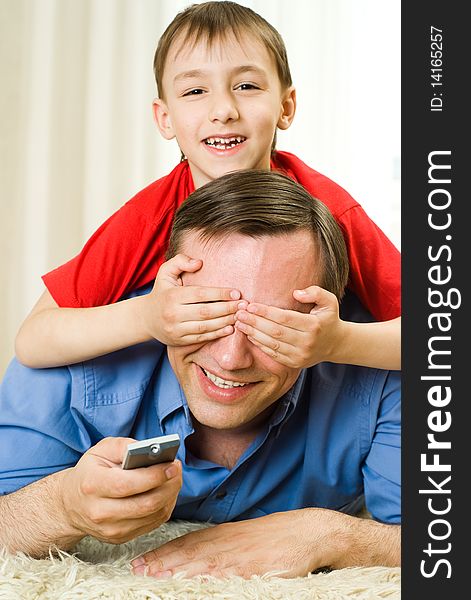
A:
(302, 292)
(242, 305)
(163, 574)
(140, 570)
(235, 294)
(137, 562)
(171, 471)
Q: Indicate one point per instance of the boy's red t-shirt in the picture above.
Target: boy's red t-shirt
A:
(126, 252)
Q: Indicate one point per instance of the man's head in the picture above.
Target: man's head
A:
(224, 87)
(263, 234)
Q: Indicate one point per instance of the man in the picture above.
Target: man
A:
(276, 454)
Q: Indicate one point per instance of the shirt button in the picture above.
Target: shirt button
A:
(220, 495)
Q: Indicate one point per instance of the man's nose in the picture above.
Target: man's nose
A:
(233, 352)
(223, 107)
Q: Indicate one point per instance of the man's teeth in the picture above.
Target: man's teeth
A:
(222, 383)
(224, 143)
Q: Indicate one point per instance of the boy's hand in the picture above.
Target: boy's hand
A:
(179, 315)
(290, 337)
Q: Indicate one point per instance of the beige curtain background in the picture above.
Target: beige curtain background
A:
(78, 140)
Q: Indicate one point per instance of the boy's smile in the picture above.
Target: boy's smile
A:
(224, 143)
(223, 103)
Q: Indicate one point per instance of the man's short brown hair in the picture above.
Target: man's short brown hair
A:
(214, 21)
(261, 203)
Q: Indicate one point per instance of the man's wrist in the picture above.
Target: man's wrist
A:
(71, 532)
(349, 541)
(329, 531)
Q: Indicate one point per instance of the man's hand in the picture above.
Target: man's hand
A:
(288, 544)
(292, 338)
(116, 505)
(179, 315)
(279, 542)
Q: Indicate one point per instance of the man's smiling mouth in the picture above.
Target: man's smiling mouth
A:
(224, 143)
(222, 383)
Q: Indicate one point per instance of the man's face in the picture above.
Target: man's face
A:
(223, 104)
(228, 382)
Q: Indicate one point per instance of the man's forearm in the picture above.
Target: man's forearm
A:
(357, 542)
(33, 519)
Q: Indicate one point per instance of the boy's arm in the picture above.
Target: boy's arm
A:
(171, 313)
(303, 339)
(376, 345)
(52, 336)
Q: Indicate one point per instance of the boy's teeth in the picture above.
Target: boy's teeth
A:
(224, 143)
(222, 383)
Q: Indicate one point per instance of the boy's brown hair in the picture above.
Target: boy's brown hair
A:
(214, 21)
(260, 203)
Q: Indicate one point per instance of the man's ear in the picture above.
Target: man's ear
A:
(288, 108)
(162, 118)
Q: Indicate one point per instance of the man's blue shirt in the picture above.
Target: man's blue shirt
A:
(332, 441)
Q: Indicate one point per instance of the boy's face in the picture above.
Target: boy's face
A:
(223, 104)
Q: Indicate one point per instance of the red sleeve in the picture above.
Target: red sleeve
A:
(375, 263)
(126, 252)
(122, 255)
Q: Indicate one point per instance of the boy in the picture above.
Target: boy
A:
(224, 87)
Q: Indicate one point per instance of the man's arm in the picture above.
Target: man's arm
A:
(292, 544)
(96, 497)
(34, 518)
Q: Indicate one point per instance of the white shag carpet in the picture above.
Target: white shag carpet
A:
(96, 570)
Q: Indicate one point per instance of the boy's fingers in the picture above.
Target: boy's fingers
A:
(316, 295)
(277, 355)
(193, 294)
(276, 322)
(276, 345)
(199, 338)
(194, 315)
(177, 265)
(205, 326)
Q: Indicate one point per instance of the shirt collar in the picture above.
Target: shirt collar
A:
(288, 402)
(169, 394)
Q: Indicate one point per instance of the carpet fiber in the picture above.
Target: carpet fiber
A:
(97, 571)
